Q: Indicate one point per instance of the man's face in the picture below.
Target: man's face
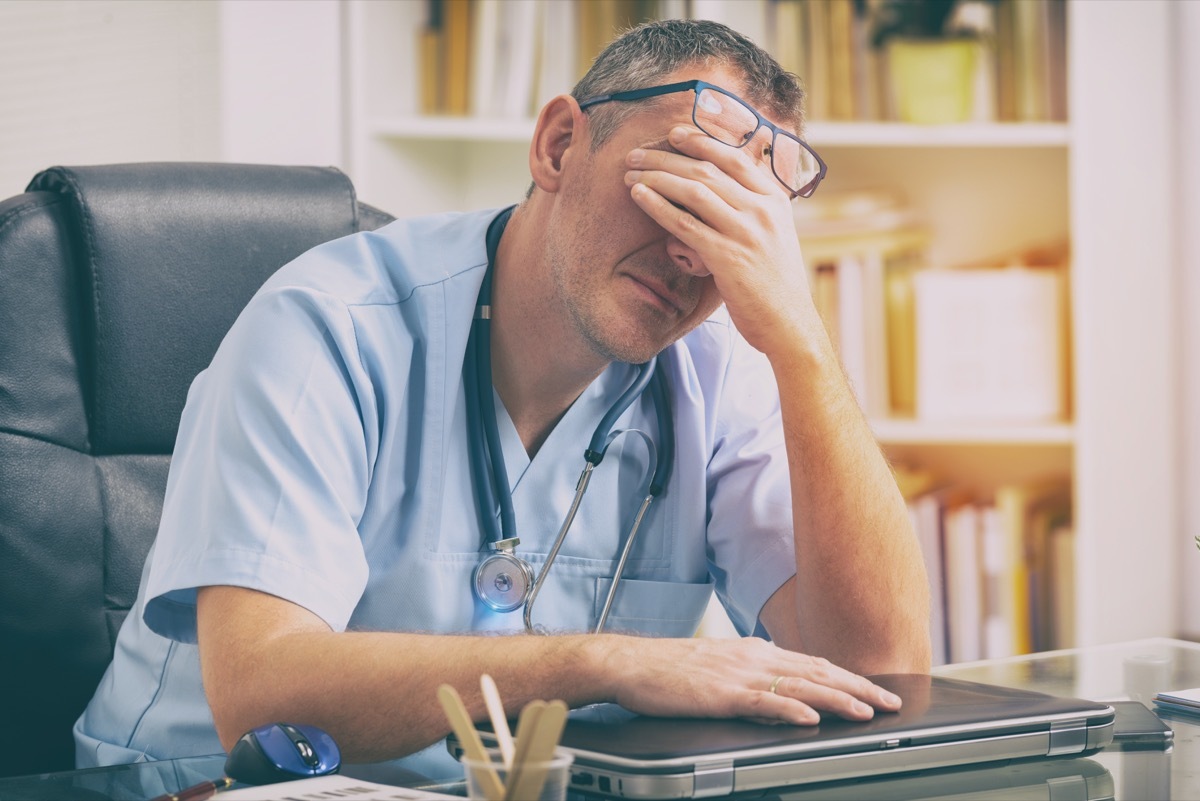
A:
(630, 288)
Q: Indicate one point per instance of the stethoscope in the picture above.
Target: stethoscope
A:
(504, 581)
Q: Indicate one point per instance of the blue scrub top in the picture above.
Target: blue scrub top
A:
(323, 458)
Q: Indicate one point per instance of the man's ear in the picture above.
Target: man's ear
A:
(561, 131)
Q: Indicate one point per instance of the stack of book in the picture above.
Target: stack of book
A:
(1021, 56)
(991, 344)
(505, 58)
(862, 248)
(1001, 570)
(981, 343)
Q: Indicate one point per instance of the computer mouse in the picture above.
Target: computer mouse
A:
(280, 752)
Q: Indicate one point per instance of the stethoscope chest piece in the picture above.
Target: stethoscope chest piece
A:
(502, 580)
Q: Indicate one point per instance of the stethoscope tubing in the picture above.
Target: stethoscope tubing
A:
(484, 432)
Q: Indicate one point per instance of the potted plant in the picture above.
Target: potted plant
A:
(931, 58)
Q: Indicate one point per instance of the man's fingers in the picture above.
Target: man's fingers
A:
(747, 678)
(752, 173)
(824, 698)
(688, 196)
(826, 673)
(679, 222)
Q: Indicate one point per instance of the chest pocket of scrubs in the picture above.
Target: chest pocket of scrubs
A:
(659, 608)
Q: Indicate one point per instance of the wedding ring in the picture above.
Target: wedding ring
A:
(774, 688)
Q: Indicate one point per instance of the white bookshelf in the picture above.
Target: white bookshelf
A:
(1102, 180)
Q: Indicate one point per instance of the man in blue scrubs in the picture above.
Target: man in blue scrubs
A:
(320, 531)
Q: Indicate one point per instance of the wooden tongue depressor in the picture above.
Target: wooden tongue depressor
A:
(526, 727)
(464, 729)
(525, 780)
(491, 697)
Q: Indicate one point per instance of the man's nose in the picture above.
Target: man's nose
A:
(685, 258)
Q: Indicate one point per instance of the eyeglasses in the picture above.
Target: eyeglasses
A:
(732, 121)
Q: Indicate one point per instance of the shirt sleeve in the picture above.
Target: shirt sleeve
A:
(271, 467)
(752, 551)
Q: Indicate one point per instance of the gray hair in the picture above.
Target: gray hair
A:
(643, 55)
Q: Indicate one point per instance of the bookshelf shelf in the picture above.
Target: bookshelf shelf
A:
(827, 134)
(467, 129)
(912, 432)
(982, 135)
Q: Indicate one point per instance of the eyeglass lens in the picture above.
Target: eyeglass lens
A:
(731, 121)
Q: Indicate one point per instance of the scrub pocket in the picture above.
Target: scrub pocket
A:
(659, 608)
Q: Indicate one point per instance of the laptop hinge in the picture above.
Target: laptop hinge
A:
(713, 779)
(1068, 736)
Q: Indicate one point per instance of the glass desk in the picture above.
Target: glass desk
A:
(1103, 673)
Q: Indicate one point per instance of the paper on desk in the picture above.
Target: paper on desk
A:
(1179, 702)
(323, 788)
(1182, 697)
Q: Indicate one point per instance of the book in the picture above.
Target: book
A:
(748, 17)
(1185, 702)
(825, 298)
(869, 90)
(1031, 68)
(1061, 551)
(485, 42)
(925, 512)
(429, 48)
(997, 606)
(865, 245)
(817, 81)
(789, 22)
(964, 590)
(1025, 515)
(600, 22)
(900, 313)
(1051, 576)
(852, 327)
(977, 19)
(516, 57)
(841, 86)
(456, 56)
(1056, 60)
(989, 345)
(1005, 47)
(557, 59)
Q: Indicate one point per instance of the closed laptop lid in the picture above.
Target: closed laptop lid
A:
(935, 710)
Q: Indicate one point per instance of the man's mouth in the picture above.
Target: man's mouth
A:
(666, 297)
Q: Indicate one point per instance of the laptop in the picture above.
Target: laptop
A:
(1019, 780)
(943, 723)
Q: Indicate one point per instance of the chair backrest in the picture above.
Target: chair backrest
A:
(117, 283)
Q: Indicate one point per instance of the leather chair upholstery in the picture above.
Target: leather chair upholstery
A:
(117, 283)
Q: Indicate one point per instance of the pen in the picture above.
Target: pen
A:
(197, 792)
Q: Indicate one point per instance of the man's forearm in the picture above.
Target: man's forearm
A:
(265, 659)
(861, 591)
(376, 692)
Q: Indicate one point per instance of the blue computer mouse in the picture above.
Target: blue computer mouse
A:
(280, 752)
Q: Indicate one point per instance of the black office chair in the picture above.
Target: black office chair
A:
(117, 283)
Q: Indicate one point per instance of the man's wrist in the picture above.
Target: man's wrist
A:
(600, 664)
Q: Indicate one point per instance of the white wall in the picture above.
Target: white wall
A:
(281, 72)
(1187, 226)
(104, 81)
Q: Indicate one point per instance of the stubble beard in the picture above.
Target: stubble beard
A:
(609, 342)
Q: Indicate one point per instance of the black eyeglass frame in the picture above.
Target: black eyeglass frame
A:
(698, 86)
